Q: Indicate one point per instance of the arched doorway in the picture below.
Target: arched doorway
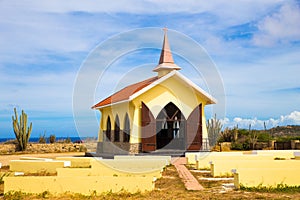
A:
(170, 128)
(108, 129)
(117, 129)
(126, 131)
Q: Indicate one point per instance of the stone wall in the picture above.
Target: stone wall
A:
(261, 145)
(119, 148)
(135, 148)
(43, 148)
(297, 145)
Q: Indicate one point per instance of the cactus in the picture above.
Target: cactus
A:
(235, 133)
(22, 132)
(214, 127)
(227, 135)
(253, 137)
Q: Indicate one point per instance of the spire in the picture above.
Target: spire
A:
(166, 54)
(166, 62)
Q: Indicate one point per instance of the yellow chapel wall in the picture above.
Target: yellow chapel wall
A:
(177, 92)
(112, 111)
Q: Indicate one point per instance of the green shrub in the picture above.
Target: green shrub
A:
(264, 137)
(52, 139)
(67, 140)
(227, 135)
(236, 146)
(246, 146)
(42, 139)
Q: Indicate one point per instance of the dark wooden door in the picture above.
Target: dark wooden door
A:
(194, 130)
(148, 130)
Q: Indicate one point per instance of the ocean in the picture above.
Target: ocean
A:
(36, 139)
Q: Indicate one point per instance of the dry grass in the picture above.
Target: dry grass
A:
(168, 187)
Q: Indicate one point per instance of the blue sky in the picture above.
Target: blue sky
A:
(254, 45)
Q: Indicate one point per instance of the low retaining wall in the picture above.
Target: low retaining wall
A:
(192, 156)
(106, 171)
(86, 185)
(221, 167)
(132, 165)
(130, 175)
(79, 162)
(287, 154)
(253, 177)
(202, 163)
(37, 166)
(141, 158)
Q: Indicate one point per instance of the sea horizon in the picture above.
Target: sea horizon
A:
(36, 139)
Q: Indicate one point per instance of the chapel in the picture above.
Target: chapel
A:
(164, 112)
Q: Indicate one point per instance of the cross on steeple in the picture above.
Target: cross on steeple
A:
(165, 29)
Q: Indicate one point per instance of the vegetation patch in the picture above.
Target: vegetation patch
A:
(281, 188)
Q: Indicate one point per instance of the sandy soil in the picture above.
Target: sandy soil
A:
(4, 159)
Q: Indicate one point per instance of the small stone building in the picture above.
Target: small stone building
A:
(165, 112)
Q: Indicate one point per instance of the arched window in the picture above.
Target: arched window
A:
(117, 129)
(126, 131)
(108, 129)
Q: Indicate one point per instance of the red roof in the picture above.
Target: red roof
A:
(125, 93)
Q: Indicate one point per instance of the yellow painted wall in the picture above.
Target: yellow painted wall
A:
(171, 90)
(79, 184)
(205, 157)
(288, 154)
(103, 170)
(222, 167)
(136, 126)
(132, 165)
(35, 158)
(224, 164)
(252, 177)
(201, 156)
(112, 111)
(167, 159)
(77, 161)
(35, 166)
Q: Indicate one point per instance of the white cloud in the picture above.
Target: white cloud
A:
(291, 119)
(280, 27)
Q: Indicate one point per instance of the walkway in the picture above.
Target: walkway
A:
(188, 179)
